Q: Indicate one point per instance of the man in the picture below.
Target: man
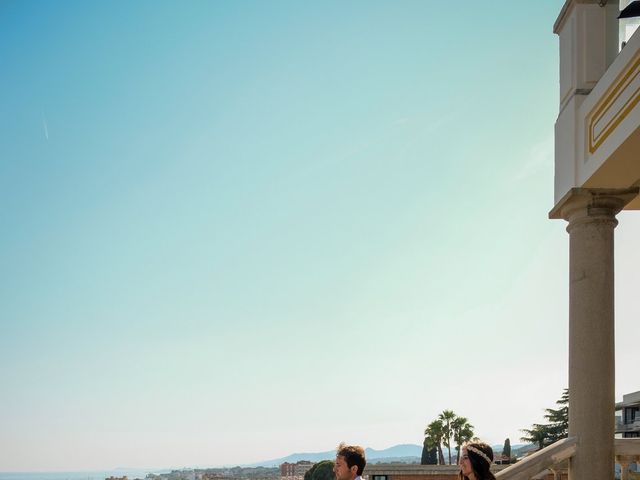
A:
(350, 462)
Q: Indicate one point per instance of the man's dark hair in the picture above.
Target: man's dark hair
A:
(353, 455)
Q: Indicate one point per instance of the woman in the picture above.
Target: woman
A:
(476, 461)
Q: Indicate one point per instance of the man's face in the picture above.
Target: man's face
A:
(342, 470)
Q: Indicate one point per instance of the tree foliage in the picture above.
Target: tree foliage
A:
(462, 432)
(558, 419)
(447, 417)
(506, 450)
(321, 471)
(429, 453)
(446, 428)
(537, 434)
(433, 436)
(557, 428)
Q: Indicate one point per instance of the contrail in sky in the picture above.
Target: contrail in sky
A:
(46, 128)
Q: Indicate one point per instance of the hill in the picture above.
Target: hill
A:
(406, 453)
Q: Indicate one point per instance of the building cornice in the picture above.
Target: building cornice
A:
(566, 10)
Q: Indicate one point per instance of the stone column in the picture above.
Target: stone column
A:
(591, 214)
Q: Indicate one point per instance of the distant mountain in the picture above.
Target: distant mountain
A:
(522, 449)
(295, 457)
(406, 453)
(407, 460)
(405, 450)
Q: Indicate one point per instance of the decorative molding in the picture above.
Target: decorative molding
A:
(615, 104)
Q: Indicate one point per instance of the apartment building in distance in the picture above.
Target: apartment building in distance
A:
(295, 471)
(628, 421)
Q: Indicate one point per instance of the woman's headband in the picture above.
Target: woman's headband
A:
(477, 451)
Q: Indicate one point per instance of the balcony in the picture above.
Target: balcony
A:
(598, 127)
(628, 427)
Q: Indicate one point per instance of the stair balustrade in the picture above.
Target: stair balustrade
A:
(542, 463)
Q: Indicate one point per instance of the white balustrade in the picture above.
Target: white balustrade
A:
(541, 463)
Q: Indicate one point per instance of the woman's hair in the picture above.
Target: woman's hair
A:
(481, 458)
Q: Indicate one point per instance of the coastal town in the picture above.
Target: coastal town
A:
(627, 425)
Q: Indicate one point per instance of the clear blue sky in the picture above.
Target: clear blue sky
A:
(231, 231)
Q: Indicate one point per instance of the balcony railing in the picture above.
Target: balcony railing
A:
(541, 463)
(628, 427)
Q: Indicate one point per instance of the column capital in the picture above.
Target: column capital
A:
(593, 202)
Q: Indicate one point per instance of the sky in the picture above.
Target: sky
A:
(231, 231)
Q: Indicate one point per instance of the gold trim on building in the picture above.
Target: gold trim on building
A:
(612, 94)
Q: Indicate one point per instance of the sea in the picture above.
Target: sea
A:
(93, 475)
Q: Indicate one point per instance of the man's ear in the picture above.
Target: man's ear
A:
(354, 470)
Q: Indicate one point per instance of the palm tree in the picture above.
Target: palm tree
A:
(447, 417)
(538, 434)
(434, 432)
(462, 432)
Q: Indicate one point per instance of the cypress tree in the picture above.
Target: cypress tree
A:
(506, 451)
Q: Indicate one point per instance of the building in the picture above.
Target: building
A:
(212, 476)
(295, 471)
(628, 422)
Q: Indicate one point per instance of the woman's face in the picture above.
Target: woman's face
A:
(465, 464)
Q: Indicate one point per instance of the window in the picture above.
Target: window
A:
(630, 414)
